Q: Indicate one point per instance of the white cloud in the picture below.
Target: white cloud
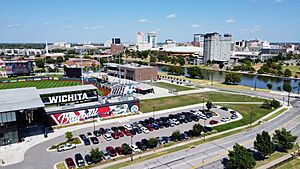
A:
(94, 27)
(195, 26)
(170, 16)
(230, 20)
(66, 26)
(278, 1)
(46, 23)
(142, 20)
(13, 25)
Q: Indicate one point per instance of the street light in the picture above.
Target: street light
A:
(131, 144)
(153, 109)
(251, 112)
(204, 118)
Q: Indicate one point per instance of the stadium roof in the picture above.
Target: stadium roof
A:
(19, 99)
(66, 89)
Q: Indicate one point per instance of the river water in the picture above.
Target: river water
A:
(247, 80)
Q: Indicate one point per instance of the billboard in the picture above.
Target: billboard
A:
(97, 112)
(15, 68)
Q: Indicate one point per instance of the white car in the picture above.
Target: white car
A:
(107, 137)
(224, 119)
(175, 121)
(127, 126)
(134, 148)
(66, 147)
(145, 130)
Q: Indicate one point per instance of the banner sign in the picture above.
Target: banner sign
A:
(89, 114)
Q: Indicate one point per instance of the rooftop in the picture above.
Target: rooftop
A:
(66, 89)
(19, 99)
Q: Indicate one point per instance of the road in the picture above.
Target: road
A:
(38, 158)
(211, 155)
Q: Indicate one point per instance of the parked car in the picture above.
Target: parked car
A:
(161, 140)
(212, 122)
(119, 150)
(96, 133)
(70, 163)
(141, 146)
(224, 119)
(89, 134)
(145, 130)
(102, 131)
(88, 159)
(149, 127)
(134, 148)
(145, 142)
(105, 155)
(133, 132)
(107, 137)
(234, 116)
(224, 108)
(127, 126)
(115, 135)
(115, 129)
(166, 139)
(111, 151)
(120, 134)
(127, 132)
(79, 160)
(94, 140)
(121, 128)
(82, 136)
(233, 112)
(66, 147)
(108, 130)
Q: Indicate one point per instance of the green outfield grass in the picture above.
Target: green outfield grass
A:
(39, 84)
(185, 100)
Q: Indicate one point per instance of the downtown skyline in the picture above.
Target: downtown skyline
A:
(96, 21)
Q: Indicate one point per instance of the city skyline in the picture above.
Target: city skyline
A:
(95, 21)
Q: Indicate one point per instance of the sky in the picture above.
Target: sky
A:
(100, 20)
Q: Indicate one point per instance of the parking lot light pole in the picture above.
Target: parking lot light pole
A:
(131, 144)
(153, 109)
(251, 116)
(94, 123)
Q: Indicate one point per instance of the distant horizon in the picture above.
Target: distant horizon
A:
(97, 21)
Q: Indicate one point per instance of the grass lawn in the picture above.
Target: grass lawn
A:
(294, 164)
(275, 156)
(39, 84)
(184, 100)
(197, 81)
(244, 110)
(178, 88)
(239, 87)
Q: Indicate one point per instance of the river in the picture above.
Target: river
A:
(247, 80)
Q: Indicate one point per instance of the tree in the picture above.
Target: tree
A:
(181, 61)
(284, 139)
(209, 105)
(153, 142)
(68, 135)
(240, 158)
(287, 73)
(59, 59)
(270, 86)
(288, 88)
(279, 88)
(176, 135)
(232, 78)
(263, 144)
(152, 59)
(194, 71)
(126, 149)
(197, 129)
(95, 155)
(40, 63)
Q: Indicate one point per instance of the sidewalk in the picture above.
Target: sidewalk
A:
(277, 161)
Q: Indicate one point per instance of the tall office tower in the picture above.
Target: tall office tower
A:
(217, 47)
(140, 38)
(198, 40)
(116, 41)
(152, 39)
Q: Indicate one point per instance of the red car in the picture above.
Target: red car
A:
(150, 128)
(119, 150)
(115, 135)
(111, 151)
(120, 134)
(212, 122)
(102, 131)
(70, 163)
(127, 132)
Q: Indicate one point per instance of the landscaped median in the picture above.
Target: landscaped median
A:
(75, 141)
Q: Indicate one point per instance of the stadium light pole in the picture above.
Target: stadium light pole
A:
(81, 56)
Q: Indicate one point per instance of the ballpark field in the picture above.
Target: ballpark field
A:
(39, 84)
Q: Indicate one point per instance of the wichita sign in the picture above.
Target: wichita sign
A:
(68, 98)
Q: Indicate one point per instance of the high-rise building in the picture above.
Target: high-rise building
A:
(217, 47)
(198, 40)
(152, 39)
(116, 41)
(140, 38)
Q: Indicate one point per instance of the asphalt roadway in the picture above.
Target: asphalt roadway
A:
(211, 155)
(38, 157)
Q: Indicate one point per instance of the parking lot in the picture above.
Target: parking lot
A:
(83, 149)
